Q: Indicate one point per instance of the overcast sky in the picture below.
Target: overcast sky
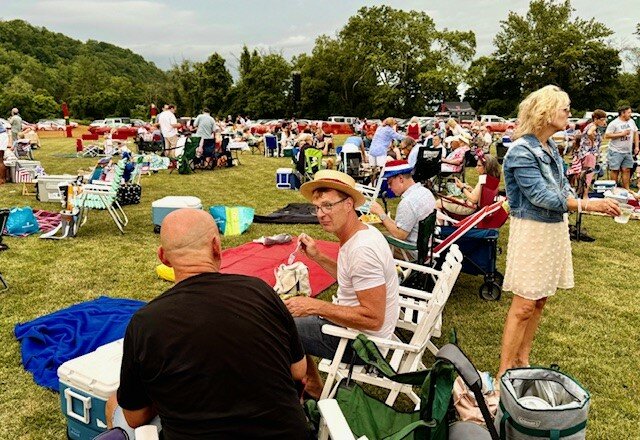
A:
(168, 31)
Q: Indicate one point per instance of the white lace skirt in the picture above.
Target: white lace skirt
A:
(538, 258)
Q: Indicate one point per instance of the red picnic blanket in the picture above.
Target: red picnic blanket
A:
(260, 261)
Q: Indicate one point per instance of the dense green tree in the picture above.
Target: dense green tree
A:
(548, 46)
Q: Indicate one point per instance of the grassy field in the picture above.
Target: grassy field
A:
(590, 331)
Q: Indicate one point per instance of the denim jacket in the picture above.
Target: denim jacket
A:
(537, 187)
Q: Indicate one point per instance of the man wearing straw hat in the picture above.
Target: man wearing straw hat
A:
(367, 297)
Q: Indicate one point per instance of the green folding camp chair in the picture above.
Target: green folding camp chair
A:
(187, 161)
(426, 228)
(103, 196)
(312, 162)
(354, 414)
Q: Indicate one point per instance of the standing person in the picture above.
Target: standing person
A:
(206, 129)
(153, 111)
(169, 127)
(367, 297)
(539, 251)
(16, 124)
(382, 141)
(623, 140)
(587, 153)
(4, 144)
(216, 355)
(413, 129)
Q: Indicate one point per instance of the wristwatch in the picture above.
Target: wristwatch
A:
(383, 217)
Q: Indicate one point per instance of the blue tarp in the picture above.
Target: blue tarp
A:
(49, 341)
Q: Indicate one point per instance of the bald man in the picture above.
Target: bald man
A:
(216, 355)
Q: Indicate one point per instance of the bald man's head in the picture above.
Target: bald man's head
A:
(188, 235)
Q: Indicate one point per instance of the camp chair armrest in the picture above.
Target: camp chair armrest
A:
(335, 420)
(417, 267)
(345, 333)
(401, 244)
(414, 293)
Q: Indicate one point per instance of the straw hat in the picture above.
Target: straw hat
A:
(333, 180)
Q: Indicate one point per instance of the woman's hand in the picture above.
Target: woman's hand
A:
(605, 206)
(459, 183)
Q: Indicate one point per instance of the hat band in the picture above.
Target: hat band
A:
(335, 181)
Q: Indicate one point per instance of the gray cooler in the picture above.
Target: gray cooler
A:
(539, 403)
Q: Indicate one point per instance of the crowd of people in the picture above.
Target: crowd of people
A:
(220, 355)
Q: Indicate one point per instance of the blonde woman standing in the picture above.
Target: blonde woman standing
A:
(539, 251)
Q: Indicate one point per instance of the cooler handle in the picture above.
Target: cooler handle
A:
(86, 405)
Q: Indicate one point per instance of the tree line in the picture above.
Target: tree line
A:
(384, 61)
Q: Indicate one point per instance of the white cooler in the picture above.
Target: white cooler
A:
(162, 207)
(48, 187)
(86, 383)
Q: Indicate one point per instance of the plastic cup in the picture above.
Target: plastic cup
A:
(625, 215)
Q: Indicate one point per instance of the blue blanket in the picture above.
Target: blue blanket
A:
(49, 341)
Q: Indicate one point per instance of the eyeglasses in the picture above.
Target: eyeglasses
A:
(327, 207)
(566, 109)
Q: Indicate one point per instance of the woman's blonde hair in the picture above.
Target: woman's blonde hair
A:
(389, 121)
(414, 120)
(451, 123)
(539, 109)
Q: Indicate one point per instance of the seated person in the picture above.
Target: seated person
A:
(353, 144)
(407, 147)
(367, 297)
(454, 161)
(487, 166)
(32, 136)
(216, 355)
(417, 203)
(21, 146)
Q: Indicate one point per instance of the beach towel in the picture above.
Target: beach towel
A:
(49, 341)
(293, 213)
(255, 259)
(47, 220)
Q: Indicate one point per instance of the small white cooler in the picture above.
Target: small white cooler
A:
(162, 207)
(86, 383)
(48, 187)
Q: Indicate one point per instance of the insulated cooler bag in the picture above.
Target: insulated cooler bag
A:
(541, 403)
(162, 207)
(232, 220)
(86, 383)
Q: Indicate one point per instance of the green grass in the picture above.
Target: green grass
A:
(590, 331)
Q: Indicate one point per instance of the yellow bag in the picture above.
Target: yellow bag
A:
(165, 272)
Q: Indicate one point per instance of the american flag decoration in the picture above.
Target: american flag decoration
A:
(24, 176)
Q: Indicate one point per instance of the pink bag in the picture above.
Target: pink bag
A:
(466, 405)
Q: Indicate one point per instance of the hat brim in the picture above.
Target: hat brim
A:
(388, 174)
(308, 188)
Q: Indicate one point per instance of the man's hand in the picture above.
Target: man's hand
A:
(300, 306)
(376, 209)
(308, 246)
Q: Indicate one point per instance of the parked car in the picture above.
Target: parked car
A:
(109, 124)
(97, 123)
(343, 119)
(496, 124)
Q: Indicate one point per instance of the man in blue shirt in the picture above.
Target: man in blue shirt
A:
(416, 204)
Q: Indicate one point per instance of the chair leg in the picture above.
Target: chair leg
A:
(335, 365)
(3, 282)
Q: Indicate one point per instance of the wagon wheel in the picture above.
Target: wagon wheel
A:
(490, 291)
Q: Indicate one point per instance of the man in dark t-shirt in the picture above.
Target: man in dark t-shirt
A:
(216, 355)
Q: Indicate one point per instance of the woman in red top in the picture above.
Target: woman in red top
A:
(413, 129)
